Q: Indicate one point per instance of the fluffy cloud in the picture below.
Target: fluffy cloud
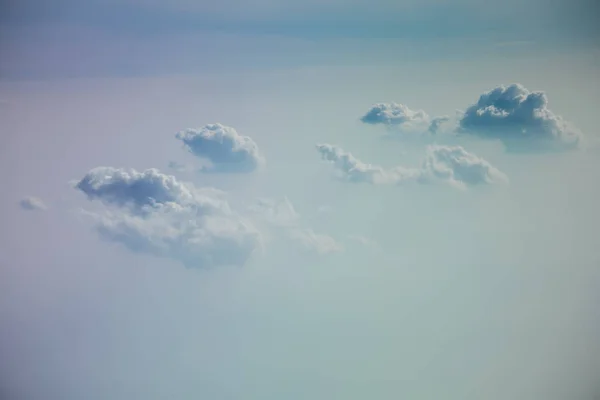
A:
(31, 203)
(452, 164)
(156, 214)
(283, 220)
(395, 114)
(520, 119)
(354, 170)
(401, 119)
(143, 191)
(459, 167)
(226, 150)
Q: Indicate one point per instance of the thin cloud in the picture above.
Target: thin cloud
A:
(31, 203)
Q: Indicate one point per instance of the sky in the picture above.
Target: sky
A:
(315, 200)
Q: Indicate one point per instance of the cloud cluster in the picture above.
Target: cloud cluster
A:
(150, 212)
(31, 203)
(155, 213)
(520, 119)
(223, 147)
(452, 164)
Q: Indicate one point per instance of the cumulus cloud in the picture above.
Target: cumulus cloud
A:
(142, 191)
(394, 114)
(399, 118)
(452, 164)
(520, 119)
(31, 203)
(459, 167)
(154, 213)
(283, 220)
(354, 170)
(223, 147)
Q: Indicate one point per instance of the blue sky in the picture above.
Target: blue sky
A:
(245, 200)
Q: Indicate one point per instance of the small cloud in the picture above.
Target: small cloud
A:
(452, 164)
(436, 122)
(354, 170)
(277, 212)
(226, 150)
(394, 114)
(311, 241)
(285, 223)
(459, 167)
(31, 203)
(520, 119)
(179, 167)
(400, 119)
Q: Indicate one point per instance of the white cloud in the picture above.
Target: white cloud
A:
(354, 170)
(452, 164)
(150, 212)
(400, 119)
(459, 167)
(395, 114)
(156, 214)
(31, 203)
(142, 191)
(226, 150)
(520, 119)
(182, 233)
(311, 241)
(284, 222)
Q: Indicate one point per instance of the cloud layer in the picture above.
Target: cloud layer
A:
(520, 119)
(452, 164)
(226, 150)
(31, 203)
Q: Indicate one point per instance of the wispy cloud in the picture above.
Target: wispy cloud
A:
(31, 203)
